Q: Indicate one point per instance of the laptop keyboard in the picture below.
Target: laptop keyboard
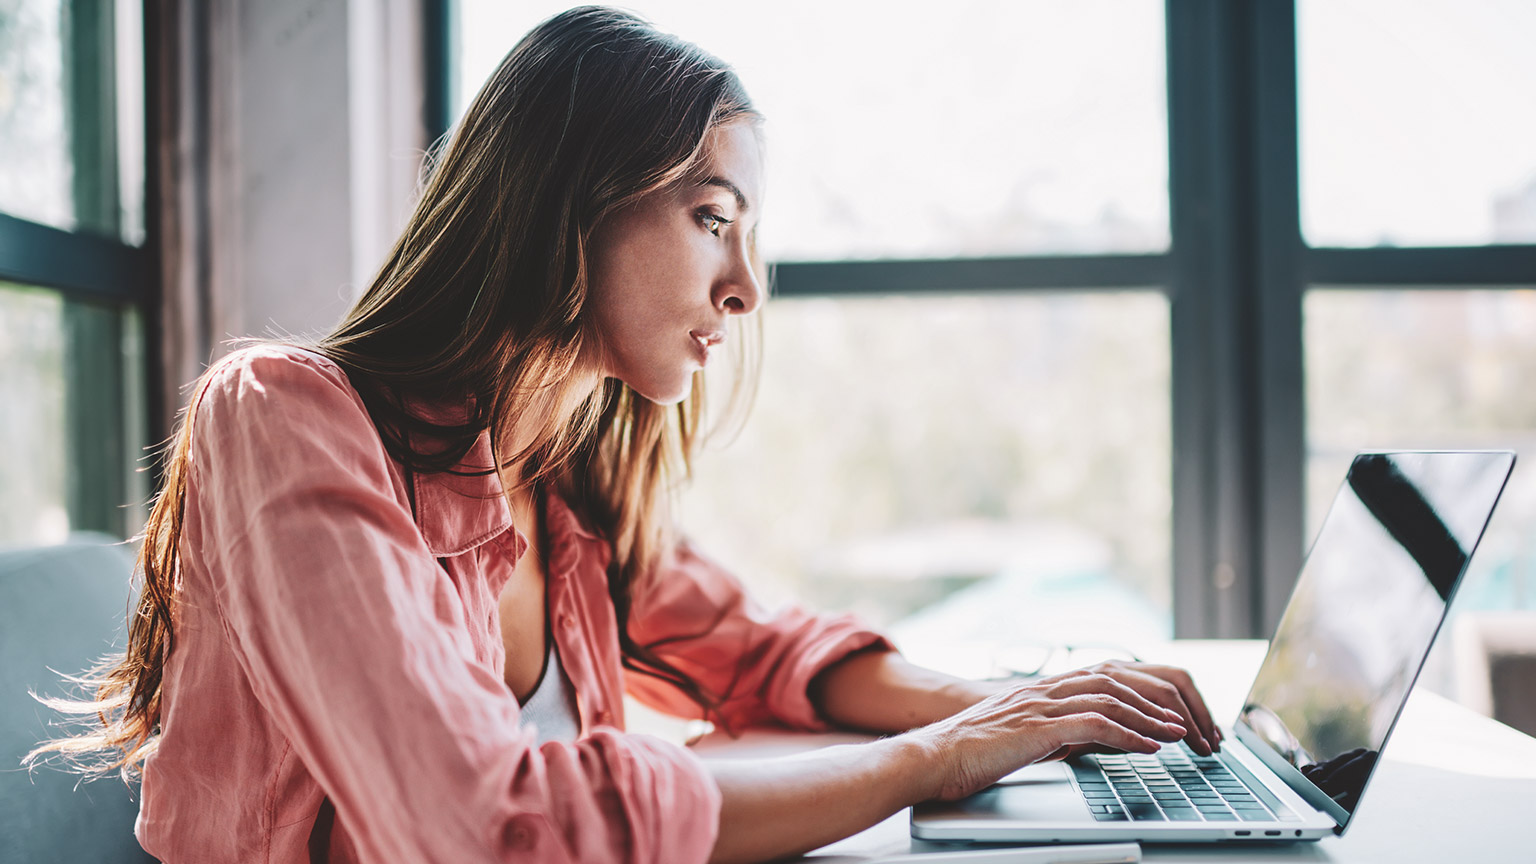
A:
(1172, 785)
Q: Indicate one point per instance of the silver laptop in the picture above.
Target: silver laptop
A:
(1372, 595)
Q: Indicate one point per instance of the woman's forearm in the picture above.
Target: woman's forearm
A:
(782, 807)
(971, 734)
(878, 691)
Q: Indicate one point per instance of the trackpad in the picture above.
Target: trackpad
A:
(1038, 793)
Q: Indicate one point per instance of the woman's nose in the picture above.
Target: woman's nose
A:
(741, 291)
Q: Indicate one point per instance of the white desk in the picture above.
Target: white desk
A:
(1452, 786)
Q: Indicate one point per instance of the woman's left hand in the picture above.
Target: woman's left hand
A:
(1168, 687)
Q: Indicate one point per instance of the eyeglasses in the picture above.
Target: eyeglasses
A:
(1028, 659)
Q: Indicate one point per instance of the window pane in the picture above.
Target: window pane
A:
(1417, 121)
(995, 465)
(71, 376)
(32, 508)
(1415, 369)
(930, 130)
(72, 115)
(34, 144)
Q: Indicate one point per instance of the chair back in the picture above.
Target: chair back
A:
(61, 608)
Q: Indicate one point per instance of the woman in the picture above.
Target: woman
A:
(377, 557)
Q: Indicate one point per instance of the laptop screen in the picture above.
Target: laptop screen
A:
(1371, 597)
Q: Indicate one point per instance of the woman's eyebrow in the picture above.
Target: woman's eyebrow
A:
(741, 200)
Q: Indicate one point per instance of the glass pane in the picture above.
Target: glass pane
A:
(1415, 369)
(992, 465)
(930, 130)
(72, 115)
(129, 36)
(71, 376)
(1417, 121)
(34, 142)
(32, 494)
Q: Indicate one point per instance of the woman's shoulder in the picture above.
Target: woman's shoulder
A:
(276, 379)
(267, 359)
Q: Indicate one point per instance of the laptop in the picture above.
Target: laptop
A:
(1372, 595)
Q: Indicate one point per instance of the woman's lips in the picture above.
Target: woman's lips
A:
(704, 340)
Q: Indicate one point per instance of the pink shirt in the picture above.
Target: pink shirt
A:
(331, 645)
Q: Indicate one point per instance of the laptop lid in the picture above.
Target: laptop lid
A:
(1372, 595)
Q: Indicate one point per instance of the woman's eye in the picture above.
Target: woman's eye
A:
(713, 223)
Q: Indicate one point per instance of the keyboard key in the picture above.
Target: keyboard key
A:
(1255, 816)
(1182, 814)
(1218, 817)
(1117, 816)
(1144, 812)
(1246, 805)
(1105, 795)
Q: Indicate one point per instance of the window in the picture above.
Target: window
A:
(73, 285)
(955, 456)
(1418, 195)
(1431, 369)
(886, 135)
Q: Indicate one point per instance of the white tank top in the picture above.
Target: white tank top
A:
(551, 707)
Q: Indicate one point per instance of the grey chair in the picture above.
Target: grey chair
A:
(61, 607)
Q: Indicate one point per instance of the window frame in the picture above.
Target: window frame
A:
(1235, 274)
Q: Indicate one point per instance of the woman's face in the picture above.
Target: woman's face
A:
(669, 270)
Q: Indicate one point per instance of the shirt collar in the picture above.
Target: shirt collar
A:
(458, 511)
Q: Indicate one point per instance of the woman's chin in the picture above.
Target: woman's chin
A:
(664, 393)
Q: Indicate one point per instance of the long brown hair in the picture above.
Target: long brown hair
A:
(481, 299)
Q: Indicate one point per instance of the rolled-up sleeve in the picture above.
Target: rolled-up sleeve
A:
(758, 664)
(352, 638)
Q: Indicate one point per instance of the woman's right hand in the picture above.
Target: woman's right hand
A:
(1051, 718)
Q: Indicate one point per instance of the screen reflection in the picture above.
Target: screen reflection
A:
(1366, 608)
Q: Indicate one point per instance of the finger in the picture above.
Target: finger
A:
(1192, 698)
(1092, 728)
(1106, 683)
(1121, 713)
(1144, 679)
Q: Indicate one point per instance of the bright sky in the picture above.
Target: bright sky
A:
(991, 127)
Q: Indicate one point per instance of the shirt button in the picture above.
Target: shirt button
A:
(605, 718)
(521, 836)
(567, 621)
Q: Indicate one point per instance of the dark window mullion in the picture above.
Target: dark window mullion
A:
(1236, 316)
(1437, 267)
(82, 266)
(841, 278)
